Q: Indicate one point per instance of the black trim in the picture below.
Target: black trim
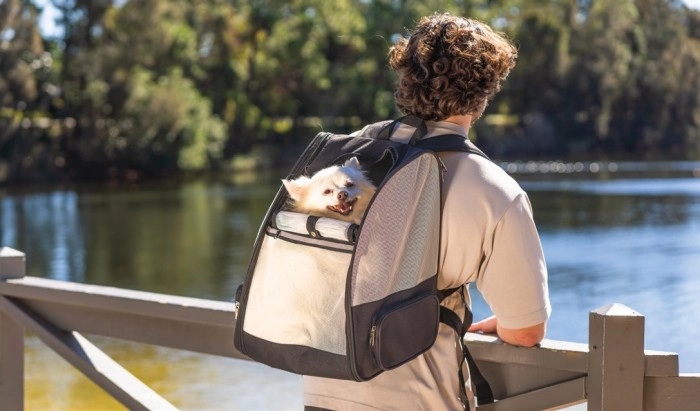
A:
(360, 321)
(309, 241)
(352, 233)
(374, 149)
(400, 332)
(446, 292)
(410, 153)
(482, 389)
(280, 199)
(297, 359)
(311, 226)
(387, 131)
(450, 142)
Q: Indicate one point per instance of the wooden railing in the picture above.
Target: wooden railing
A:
(611, 372)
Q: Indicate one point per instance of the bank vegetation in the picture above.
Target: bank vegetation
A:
(136, 89)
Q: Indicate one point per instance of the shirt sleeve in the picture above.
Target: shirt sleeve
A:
(513, 277)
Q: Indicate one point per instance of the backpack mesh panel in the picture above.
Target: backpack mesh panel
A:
(298, 292)
(400, 237)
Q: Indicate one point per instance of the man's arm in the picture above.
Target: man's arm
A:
(525, 337)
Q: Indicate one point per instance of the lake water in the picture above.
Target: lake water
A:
(624, 233)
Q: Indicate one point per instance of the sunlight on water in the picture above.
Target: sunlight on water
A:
(640, 187)
(626, 240)
(187, 380)
(633, 242)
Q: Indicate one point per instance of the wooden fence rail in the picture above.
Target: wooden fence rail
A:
(612, 372)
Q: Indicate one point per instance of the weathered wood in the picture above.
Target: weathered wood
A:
(12, 265)
(562, 355)
(553, 354)
(661, 363)
(169, 321)
(680, 393)
(90, 360)
(613, 368)
(11, 364)
(551, 397)
(616, 359)
(516, 370)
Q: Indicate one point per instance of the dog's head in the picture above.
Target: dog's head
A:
(341, 192)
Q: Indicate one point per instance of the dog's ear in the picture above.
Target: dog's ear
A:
(352, 162)
(296, 187)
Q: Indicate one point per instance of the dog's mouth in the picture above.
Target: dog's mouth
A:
(343, 208)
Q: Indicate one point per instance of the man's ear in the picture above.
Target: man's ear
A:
(352, 162)
(296, 187)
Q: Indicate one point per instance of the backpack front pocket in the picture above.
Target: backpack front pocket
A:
(405, 330)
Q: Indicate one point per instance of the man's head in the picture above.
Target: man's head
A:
(449, 66)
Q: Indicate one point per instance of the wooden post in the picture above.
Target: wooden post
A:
(616, 359)
(12, 265)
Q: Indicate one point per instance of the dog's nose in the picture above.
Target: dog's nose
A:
(343, 195)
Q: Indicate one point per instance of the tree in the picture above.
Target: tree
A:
(23, 70)
(137, 114)
(153, 87)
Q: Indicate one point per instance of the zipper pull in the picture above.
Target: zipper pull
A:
(371, 335)
(443, 169)
(237, 302)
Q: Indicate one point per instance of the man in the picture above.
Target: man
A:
(447, 70)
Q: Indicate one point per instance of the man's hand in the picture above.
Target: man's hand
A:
(525, 337)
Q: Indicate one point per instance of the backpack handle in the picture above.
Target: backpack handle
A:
(407, 129)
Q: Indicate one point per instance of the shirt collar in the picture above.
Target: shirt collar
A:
(437, 128)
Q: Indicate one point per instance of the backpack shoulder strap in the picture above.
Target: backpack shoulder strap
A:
(376, 130)
(482, 389)
(407, 129)
(410, 130)
(450, 142)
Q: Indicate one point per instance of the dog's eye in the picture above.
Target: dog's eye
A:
(349, 184)
(327, 192)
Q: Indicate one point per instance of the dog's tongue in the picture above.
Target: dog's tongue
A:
(344, 208)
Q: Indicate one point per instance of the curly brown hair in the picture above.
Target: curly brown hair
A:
(449, 66)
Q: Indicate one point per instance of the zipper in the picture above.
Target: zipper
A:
(237, 304)
(443, 170)
(310, 153)
(403, 160)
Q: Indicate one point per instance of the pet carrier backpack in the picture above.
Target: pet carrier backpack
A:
(334, 299)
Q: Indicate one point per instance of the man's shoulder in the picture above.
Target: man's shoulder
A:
(475, 169)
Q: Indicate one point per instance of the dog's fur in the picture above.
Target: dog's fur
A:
(340, 192)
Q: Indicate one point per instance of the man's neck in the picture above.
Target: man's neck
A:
(464, 120)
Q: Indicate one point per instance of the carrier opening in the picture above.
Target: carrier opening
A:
(317, 227)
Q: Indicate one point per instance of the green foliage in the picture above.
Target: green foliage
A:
(153, 87)
(21, 54)
(167, 118)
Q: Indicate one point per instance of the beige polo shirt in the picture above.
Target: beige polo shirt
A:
(488, 238)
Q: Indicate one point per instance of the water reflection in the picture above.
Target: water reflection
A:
(629, 241)
(48, 226)
(192, 239)
(567, 210)
(639, 187)
(187, 380)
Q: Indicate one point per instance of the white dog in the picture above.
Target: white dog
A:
(340, 192)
